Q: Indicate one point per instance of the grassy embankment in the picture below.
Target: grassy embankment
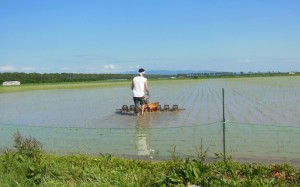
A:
(28, 165)
(75, 85)
(53, 86)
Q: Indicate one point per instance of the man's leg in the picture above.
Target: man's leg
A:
(142, 105)
(142, 110)
(136, 106)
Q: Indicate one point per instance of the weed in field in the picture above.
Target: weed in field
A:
(27, 158)
(201, 153)
(29, 147)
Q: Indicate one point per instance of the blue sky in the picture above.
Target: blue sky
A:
(112, 36)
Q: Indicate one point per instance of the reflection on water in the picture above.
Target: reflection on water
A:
(142, 135)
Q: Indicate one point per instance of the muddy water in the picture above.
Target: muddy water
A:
(87, 119)
(246, 101)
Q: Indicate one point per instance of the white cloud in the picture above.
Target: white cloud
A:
(28, 69)
(245, 61)
(7, 68)
(109, 67)
(65, 69)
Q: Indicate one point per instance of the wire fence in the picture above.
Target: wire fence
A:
(245, 142)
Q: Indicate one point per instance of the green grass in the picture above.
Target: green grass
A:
(79, 85)
(54, 86)
(28, 165)
(84, 170)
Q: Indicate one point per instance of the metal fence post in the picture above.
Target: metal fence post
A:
(224, 145)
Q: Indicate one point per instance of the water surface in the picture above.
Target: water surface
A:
(72, 120)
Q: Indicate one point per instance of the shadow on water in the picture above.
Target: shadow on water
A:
(119, 112)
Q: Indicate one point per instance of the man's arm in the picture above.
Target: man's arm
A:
(132, 85)
(147, 88)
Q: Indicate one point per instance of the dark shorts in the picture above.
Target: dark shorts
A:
(138, 101)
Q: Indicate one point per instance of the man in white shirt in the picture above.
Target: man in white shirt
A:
(139, 87)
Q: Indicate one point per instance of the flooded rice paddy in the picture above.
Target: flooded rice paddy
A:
(262, 119)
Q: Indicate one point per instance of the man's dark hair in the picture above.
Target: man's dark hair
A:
(141, 70)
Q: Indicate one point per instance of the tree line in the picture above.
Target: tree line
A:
(26, 78)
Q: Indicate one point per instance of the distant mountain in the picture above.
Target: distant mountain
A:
(170, 72)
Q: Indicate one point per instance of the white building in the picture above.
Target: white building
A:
(11, 83)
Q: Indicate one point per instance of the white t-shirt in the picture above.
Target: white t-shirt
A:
(138, 86)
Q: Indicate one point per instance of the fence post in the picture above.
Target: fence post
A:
(224, 145)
